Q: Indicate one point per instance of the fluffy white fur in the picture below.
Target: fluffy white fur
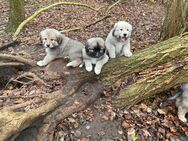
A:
(57, 45)
(118, 40)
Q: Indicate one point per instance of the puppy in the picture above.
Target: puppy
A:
(94, 53)
(182, 102)
(58, 45)
(118, 40)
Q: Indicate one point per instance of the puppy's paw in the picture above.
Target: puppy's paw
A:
(113, 56)
(182, 118)
(41, 63)
(128, 53)
(97, 71)
(81, 65)
(70, 64)
(89, 68)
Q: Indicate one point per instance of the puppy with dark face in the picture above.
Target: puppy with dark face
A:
(182, 102)
(58, 45)
(118, 40)
(94, 53)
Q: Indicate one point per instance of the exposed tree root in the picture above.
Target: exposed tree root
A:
(86, 95)
(156, 68)
(21, 105)
(10, 64)
(18, 58)
(31, 77)
(12, 43)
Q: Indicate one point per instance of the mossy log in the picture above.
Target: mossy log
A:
(147, 72)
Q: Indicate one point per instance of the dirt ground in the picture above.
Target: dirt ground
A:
(145, 121)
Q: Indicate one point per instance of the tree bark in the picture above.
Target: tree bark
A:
(176, 20)
(149, 71)
(16, 14)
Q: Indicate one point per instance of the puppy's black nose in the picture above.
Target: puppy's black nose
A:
(125, 35)
(48, 45)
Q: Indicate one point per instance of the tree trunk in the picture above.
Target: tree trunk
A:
(16, 14)
(176, 20)
(147, 72)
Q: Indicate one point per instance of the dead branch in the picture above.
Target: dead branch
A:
(97, 21)
(106, 15)
(88, 25)
(112, 6)
(18, 58)
(44, 9)
(10, 64)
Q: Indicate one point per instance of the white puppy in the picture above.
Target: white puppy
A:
(118, 40)
(57, 45)
(94, 53)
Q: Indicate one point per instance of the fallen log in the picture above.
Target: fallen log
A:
(149, 71)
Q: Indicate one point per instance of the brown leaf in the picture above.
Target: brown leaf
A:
(126, 125)
(160, 111)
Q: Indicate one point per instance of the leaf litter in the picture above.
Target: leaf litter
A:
(101, 121)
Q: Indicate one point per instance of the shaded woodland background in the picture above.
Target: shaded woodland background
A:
(48, 103)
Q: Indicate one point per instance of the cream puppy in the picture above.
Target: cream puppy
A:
(118, 40)
(57, 45)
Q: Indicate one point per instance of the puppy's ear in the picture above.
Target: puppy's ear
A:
(40, 38)
(113, 33)
(86, 45)
(59, 39)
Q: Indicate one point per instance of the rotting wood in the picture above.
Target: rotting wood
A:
(164, 63)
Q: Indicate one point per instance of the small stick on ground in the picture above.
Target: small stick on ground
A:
(111, 6)
(88, 25)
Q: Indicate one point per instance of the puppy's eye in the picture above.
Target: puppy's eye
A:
(127, 29)
(121, 29)
(45, 39)
(52, 39)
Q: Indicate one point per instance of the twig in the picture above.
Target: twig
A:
(111, 6)
(12, 43)
(88, 25)
(11, 64)
(18, 58)
(106, 15)
(44, 9)
(97, 21)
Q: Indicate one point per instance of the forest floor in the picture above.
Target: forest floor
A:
(145, 121)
